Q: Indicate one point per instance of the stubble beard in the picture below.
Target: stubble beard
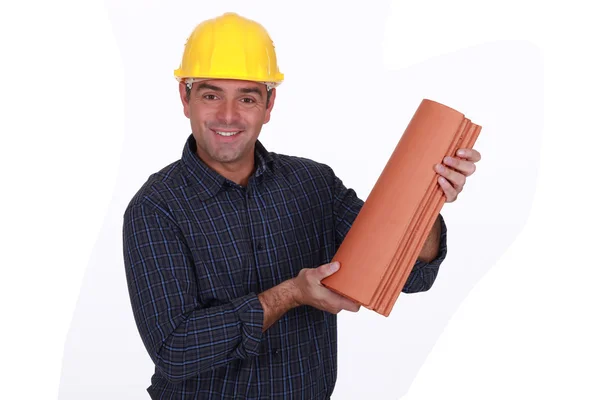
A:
(225, 153)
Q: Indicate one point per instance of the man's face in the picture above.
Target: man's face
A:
(226, 117)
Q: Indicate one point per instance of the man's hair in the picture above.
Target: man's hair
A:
(188, 91)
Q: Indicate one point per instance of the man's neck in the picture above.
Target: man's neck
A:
(238, 172)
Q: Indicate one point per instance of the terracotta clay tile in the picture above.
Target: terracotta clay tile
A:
(384, 242)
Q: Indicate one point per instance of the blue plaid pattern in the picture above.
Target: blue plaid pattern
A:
(198, 249)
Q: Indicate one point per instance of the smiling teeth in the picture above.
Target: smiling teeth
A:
(227, 133)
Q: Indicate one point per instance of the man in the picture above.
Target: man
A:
(225, 248)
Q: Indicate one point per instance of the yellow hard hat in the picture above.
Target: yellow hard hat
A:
(229, 47)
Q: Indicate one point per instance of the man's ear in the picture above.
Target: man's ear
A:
(184, 99)
(270, 105)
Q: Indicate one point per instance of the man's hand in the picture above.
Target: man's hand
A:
(305, 289)
(454, 173)
(311, 292)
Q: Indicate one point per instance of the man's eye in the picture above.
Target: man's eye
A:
(210, 96)
(247, 100)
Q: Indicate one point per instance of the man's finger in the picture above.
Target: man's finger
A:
(465, 167)
(327, 269)
(449, 191)
(456, 178)
(469, 154)
(348, 304)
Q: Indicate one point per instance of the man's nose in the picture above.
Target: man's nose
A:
(228, 112)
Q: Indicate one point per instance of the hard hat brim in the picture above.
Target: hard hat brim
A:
(191, 80)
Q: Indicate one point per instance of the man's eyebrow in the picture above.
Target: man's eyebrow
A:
(251, 90)
(204, 85)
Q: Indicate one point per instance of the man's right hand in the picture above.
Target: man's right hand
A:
(309, 290)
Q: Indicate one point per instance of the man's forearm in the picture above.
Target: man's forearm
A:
(432, 243)
(277, 301)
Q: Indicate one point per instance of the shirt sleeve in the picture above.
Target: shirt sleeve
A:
(182, 336)
(423, 274)
(347, 205)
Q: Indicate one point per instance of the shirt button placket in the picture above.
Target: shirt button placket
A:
(254, 221)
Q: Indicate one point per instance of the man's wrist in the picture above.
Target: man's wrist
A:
(277, 301)
(295, 293)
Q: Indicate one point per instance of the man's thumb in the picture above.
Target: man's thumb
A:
(329, 269)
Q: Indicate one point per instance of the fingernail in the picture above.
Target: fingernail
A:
(448, 160)
(461, 152)
(334, 266)
(439, 168)
(441, 179)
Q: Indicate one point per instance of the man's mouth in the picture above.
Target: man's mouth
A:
(226, 133)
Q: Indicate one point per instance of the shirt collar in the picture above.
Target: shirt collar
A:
(209, 180)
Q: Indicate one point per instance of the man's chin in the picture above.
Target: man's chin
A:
(227, 157)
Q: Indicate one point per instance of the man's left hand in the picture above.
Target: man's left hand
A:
(455, 170)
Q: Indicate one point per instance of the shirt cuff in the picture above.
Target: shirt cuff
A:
(442, 248)
(424, 273)
(251, 316)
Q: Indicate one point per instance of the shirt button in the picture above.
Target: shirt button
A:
(260, 246)
(276, 351)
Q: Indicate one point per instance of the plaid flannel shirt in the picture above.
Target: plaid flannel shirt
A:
(198, 248)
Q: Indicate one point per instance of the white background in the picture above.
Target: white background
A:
(89, 109)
